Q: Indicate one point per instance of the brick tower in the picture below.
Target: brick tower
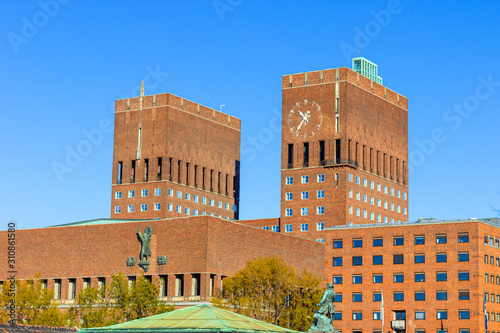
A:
(174, 158)
(344, 149)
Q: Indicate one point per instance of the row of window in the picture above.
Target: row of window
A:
(372, 215)
(463, 237)
(386, 204)
(303, 227)
(304, 211)
(488, 240)
(170, 208)
(492, 260)
(491, 278)
(399, 259)
(491, 299)
(398, 277)
(380, 188)
(186, 196)
(305, 179)
(304, 195)
(420, 330)
(419, 315)
(441, 295)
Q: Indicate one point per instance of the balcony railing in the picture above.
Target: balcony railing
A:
(338, 162)
(290, 166)
(158, 177)
(132, 179)
(398, 325)
(306, 164)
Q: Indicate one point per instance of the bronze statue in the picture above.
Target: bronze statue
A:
(323, 318)
(145, 244)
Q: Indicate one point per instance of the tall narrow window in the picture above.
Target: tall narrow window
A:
(337, 151)
(57, 288)
(337, 122)
(204, 171)
(321, 152)
(195, 176)
(211, 180)
(187, 174)
(170, 169)
(306, 154)
(290, 156)
(195, 285)
(178, 171)
(337, 179)
(132, 172)
(227, 180)
(72, 289)
(163, 285)
(158, 171)
(146, 169)
(218, 182)
(120, 172)
(179, 285)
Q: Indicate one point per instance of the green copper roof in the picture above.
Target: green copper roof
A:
(97, 221)
(199, 318)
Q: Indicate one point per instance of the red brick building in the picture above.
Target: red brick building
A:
(344, 194)
(173, 158)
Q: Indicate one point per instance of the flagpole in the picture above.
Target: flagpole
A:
(382, 308)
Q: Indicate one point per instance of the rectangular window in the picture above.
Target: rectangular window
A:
(321, 194)
(378, 260)
(131, 194)
(419, 295)
(349, 177)
(289, 196)
(377, 297)
(378, 278)
(419, 315)
(212, 202)
(306, 154)
(357, 315)
(304, 227)
(120, 172)
(157, 206)
(290, 156)
(288, 228)
(365, 182)
(337, 261)
(463, 276)
(170, 207)
(179, 195)
(178, 209)
(265, 228)
(463, 256)
(378, 242)
(304, 195)
(219, 204)
(276, 228)
(118, 195)
(399, 296)
(419, 258)
(321, 178)
(305, 179)
(399, 241)
(118, 209)
(337, 315)
(441, 257)
(357, 180)
(130, 208)
(465, 314)
(170, 192)
(338, 298)
(337, 279)
(372, 185)
(337, 243)
(57, 288)
(320, 226)
(157, 191)
(441, 239)
(187, 196)
(399, 278)
(442, 314)
(420, 277)
(441, 295)
(321, 240)
(463, 237)
(357, 261)
(357, 242)
(320, 210)
(357, 297)
(357, 279)
(304, 211)
(419, 240)
(144, 193)
(289, 180)
(441, 276)
(144, 207)
(399, 259)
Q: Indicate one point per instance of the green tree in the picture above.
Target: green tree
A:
(92, 309)
(136, 301)
(269, 289)
(33, 303)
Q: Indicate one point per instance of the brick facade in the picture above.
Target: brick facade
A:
(185, 155)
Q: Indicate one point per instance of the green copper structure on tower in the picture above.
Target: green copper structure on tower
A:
(366, 68)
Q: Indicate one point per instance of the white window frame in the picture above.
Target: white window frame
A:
(118, 194)
(305, 179)
(304, 211)
(157, 191)
(320, 210)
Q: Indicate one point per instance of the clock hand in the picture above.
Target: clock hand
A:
(301, 114)
(298, 128)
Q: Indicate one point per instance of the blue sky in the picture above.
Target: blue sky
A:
(63, 63)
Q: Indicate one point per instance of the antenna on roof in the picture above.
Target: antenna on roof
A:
(142, 88)
(359, 39)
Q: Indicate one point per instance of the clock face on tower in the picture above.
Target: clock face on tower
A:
(305, 118)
